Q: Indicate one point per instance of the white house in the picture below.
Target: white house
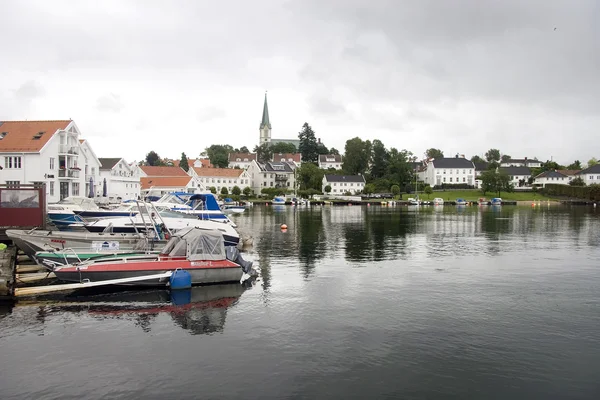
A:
(272, 175)
(221, 178)
(122, 179)
(91, 169)
(291, 158)
(552, 177)
(341, 184)
(330, 161)
(43, 152)
(521, 162)
(519, 176)
(589, 175)
(449, 171)
(241, 160)
(161, 185)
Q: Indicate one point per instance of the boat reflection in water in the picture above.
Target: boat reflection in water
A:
(200, 310)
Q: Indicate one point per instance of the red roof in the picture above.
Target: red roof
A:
(163, 171)
(277, 157)
(234, 156)
(225, 172)
(148, 182)
(28, 136)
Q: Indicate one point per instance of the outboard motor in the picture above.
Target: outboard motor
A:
(233, 254)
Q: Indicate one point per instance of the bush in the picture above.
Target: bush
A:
(591, 192)
(236, 190)
(224, 191)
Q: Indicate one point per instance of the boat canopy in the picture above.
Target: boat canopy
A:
(196, 244)
(204, 201)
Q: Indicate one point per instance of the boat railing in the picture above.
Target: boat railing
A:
(65, 252)
(149, 212)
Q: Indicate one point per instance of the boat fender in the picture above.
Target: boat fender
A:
(180, 279)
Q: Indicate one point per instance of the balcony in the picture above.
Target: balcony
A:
(67, 149)
(281, 178)
(68, 173)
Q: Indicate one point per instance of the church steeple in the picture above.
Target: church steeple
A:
(265, 125)
(265, 117)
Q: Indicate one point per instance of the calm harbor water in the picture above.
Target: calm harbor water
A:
(353, 302)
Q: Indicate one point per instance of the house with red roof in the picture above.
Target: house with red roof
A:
(222, 178)
(46, 152)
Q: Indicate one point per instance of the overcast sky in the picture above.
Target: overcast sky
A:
(172, 76)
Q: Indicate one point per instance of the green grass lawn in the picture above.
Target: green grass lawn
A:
(474, 195)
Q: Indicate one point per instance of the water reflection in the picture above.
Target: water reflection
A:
(199, 310)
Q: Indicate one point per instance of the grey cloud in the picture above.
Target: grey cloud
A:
(28, 91)
(109, 102)
(210, 113)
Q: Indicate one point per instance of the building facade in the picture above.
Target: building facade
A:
(220, 178)
(122, 180)
(241, 160)
(449, 171)
(589, 175)
(327, 161)
(43, 152)
(272, 175)
(341, 184)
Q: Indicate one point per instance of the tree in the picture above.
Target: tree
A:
(492, 155)
(399, 170)
(395, 189)
(309, 176)
(593, 161)
(308, 144)
(477, 159)
(495, 181)
(322, 149)
(183, 163)
(153, 159)
(224, 191)
(434, 153)
(356, 157)
(576, 165)
(263, 153)
(328, 189)
(213, 190)
(369, 188)
(578, 181)
(282, 147)
(247, 191)
(236, 190)
(244, 149)
(219, 155)
(333, 150)
(379, 159)
(505, 158)
(428, 191)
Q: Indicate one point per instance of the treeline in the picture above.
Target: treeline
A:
(591, 192)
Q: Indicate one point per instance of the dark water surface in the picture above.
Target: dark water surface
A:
(353, 302)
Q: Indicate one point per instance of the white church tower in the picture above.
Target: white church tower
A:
(265, 125)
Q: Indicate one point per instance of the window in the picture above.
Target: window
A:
(444, 172)
(93, 171)
(13, 184)
(12, 162)
(51, 188)
(51, 162)
(444, 179)
(464, 179)
(456, 172)
(464, 171)
(75, 190)
(450, 179)
(271, 183)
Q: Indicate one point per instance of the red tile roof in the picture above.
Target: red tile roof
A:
(18, 136)
(294, 156)
(225, 172)
(234, 156)
(569, 171)
(163, 171)
(148, 182)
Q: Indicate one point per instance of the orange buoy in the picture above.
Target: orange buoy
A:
(283, 226)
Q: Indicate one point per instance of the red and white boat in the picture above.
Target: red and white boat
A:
(200, 252)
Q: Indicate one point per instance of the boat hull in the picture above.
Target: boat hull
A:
(202, 272)
(56, 259)
(33, 241)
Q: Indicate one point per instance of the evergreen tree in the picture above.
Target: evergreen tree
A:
(183, 163)
(379, 159)
(153, 159)
(308, 144)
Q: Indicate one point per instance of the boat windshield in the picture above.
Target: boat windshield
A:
(171, 198)
(166, 213)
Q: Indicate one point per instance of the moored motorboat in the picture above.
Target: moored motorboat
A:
(461, 202)
(496, 201)
(32, 241)
(438, 201)
(55, 258)
(62, 214)
(202, 253)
